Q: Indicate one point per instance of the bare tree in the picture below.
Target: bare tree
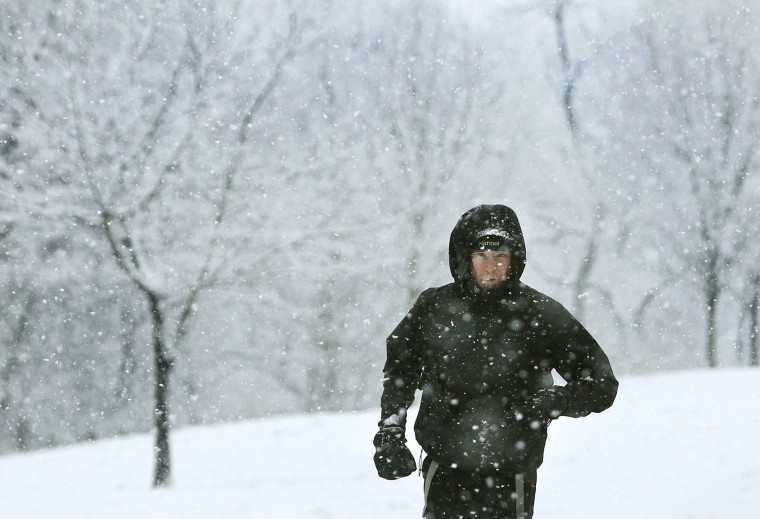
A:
(570, 71)
(686, 124)
(128, 137)
(601, 220)
(436, 105)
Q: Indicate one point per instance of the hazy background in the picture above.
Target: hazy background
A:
(218, 210)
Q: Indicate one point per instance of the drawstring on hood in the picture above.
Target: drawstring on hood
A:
(481, 221)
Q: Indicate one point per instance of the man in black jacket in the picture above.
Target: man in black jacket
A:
(482, 350)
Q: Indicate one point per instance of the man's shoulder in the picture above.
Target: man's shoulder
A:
(433, 293)
(542, 302)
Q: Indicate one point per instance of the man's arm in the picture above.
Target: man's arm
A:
(578, 358)
(402, 370)
(403, 366)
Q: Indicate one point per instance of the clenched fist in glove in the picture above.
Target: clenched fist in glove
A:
(393, 459)
(546, 405)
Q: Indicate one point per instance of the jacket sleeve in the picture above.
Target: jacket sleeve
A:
(578, 358)
(403, 365)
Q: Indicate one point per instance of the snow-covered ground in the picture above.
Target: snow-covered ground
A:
(675, 446)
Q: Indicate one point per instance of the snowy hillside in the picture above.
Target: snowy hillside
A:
(674, 446)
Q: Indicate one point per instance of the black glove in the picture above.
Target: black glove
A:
(546, 405)
(393, 459)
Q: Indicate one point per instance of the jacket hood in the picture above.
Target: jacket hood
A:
(485, 220)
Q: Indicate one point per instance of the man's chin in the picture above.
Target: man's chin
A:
(490, 284)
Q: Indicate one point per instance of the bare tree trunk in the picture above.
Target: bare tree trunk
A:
(323, 373)
(127, 332)
(21, 432)
(18, 422)
(122, 252)
(569, 76)
(413, 288)
(712, 293)
(754, 326)
(163, 366)
(582, 283)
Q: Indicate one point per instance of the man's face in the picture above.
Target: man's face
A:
(490, 268)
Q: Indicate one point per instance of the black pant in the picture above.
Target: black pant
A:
(455, 494)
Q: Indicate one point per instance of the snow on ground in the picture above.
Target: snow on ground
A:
(674, 446)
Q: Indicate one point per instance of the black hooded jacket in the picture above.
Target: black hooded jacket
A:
(479, 355)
